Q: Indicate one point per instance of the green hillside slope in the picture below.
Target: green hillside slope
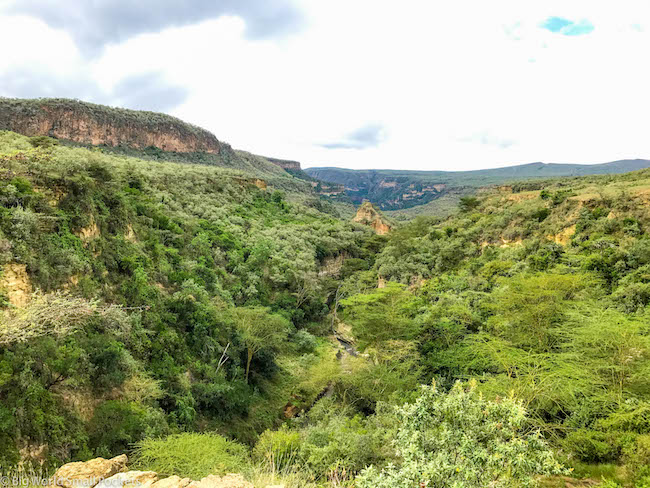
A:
(203, 320)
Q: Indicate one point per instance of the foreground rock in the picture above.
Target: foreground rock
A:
(112, 473)
(89, 473)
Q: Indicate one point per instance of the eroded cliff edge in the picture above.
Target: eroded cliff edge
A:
(88, 123)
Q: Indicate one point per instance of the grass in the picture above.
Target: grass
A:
(599, 472)
(25, 476)
(190, 455)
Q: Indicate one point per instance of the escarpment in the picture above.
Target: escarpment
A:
(88, 123)
(285, 164)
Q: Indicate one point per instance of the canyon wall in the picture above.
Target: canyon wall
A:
(87, 123)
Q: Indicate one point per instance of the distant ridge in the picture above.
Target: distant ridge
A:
(401, 189)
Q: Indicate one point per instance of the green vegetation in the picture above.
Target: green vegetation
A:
(461, 439)
(144, 272)
(189, 455)
(188, 316)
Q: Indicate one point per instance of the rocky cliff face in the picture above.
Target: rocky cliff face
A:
(285, 163)
(368, 215)
(87, 123)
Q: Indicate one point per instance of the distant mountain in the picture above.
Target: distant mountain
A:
(400, 189)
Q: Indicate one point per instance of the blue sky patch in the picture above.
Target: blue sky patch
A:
(567, 27)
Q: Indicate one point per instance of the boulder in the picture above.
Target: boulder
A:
(88, 474)
(130, 479)
(172, 482)
(228, 481)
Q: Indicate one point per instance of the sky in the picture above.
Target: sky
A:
(409, 84)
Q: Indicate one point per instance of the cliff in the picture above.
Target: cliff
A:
(368, 215)
(88, 123)
(285, 164)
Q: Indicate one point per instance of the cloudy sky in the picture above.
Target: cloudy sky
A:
(408, 84)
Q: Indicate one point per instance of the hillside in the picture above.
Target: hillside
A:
(122, 284)
(142, 134)
(399, 189)
(203, 321)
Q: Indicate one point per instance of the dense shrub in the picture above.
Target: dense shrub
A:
(462, 440)
(190, 455)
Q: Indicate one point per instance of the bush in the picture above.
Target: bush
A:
(637, 458)
(592, 446)
(632, 297)
(116, 425)
(190, 455)
(279, 448)
(461, 440)
(305, 342)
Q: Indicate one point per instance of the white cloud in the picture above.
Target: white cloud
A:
(453, 85)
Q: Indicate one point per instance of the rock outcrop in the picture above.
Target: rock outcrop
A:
(89, 473)
(112, 473)
(285, 164)
(87, 123)
(15, 283)
(368, 215)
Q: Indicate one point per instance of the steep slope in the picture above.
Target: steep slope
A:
(397, 189)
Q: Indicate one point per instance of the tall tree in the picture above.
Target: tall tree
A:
(260, 330)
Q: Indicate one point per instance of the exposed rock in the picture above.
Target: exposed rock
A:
(563, 237)
(34, 452)
(88, 123)
(261, 184)
(505, 243)
(285, 164)
(172, 482)
(130, 479)
(112, 473)
(130, 234)
(290, 411)
(228, 481)
(331, 265)
(368, 215)
(14, 281)
(88, 474)
(90, 232)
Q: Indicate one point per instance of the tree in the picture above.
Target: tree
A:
(461, 440)
(468, 203)
(260, 330)
(381, 315)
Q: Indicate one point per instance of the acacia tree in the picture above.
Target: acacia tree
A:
(381, 315)
(260, 330)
